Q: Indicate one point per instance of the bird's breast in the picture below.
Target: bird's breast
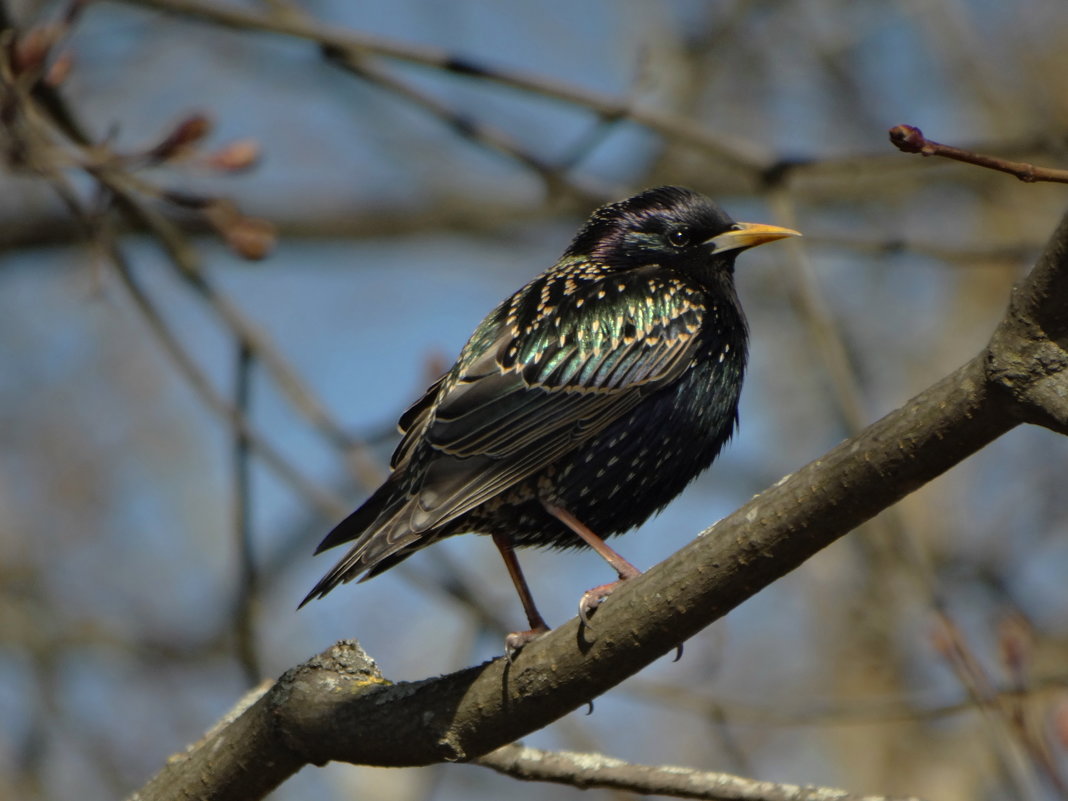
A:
(637, 465)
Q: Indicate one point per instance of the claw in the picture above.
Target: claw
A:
(515, 641)
(593, 598)
(584, 609)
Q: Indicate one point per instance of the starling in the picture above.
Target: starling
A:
(580, 406)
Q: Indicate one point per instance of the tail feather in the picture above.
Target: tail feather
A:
(378, 530)
(384, 502)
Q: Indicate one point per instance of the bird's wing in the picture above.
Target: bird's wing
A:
(414, 420)
(548, 370)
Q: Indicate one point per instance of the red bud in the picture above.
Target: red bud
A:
(184, 135)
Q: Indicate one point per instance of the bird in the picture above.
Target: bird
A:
(580, 406)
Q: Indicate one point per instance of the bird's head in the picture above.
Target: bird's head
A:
(670, 226)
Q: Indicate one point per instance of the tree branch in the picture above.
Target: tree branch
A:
(338, 707)
(910, 139)
(740, 154)
(596, 770)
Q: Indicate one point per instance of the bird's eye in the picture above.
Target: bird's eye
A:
(679, 237)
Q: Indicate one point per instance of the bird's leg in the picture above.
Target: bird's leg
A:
(591, 599)
(517, 639)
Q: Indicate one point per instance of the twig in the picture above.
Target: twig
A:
(248, 577)
(910, 139)
(480, 133)
(39, 113)
(997, 708)
(596, 770)
(102, 236)
(812, 308)
(742, 155)
(188, 267)
(330, 505)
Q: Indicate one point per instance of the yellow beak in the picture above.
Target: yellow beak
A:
(747, 235)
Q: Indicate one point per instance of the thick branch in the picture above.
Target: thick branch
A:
(326, 710)
(214, 767)
(1028, 355)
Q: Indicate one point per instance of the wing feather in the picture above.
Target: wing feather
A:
(539, 384)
